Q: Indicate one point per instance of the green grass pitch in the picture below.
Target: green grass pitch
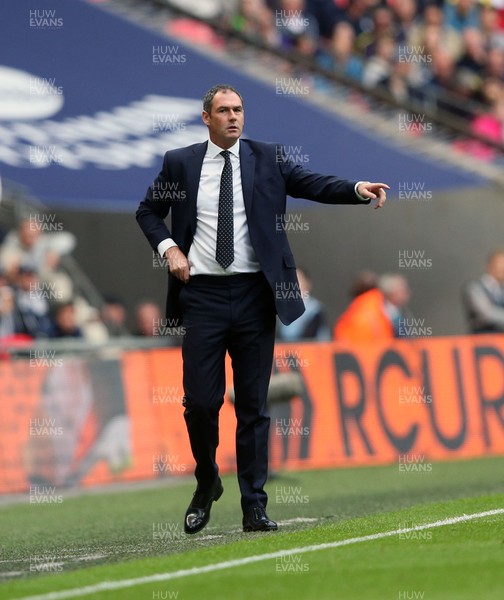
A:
(69, 548)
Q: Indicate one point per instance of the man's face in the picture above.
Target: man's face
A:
(400, 295)
(27, 234)
(225, 119)
(496, 268)
(147, 316)
(26, 280)
(66, 318)
(114, 313)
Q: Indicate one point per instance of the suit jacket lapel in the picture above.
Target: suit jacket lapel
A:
(247, 169)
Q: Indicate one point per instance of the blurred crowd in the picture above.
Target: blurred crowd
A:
(40, 299)
(379, 308)
(447, 54)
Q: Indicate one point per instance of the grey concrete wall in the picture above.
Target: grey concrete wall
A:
(454, 230)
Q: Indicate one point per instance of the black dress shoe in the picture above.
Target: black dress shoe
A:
(198, 513)
(256, 519)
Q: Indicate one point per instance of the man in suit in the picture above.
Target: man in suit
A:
(484, 298)
(230, 272)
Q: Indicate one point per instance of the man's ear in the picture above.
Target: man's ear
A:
(206, 117)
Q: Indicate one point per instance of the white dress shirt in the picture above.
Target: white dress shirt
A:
(201, 255)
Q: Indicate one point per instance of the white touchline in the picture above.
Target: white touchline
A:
(229, 564)
(72, 557)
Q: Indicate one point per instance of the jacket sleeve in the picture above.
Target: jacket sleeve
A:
(328, 189)
(155, 207)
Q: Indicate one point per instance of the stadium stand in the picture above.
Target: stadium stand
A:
(444, 59)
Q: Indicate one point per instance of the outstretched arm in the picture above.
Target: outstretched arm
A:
(329, 189)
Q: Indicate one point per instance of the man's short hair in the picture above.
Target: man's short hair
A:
(209, 96)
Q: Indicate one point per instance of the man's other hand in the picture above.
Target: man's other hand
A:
(177, 263)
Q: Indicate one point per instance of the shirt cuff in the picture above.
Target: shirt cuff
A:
(363, 198)
(164, 246)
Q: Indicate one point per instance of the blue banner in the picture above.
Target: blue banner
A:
(89, 103)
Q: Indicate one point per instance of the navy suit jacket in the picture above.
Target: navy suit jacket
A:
(267, 178)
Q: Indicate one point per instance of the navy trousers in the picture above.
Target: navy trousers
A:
(234, 314)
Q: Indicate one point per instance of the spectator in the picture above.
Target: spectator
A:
(378, 68)
(255, 19)
(484, 298)
(443, 72)
(358, 17)
(366, 280)
(493, 36)
(29, 243)
(148, 320)
(491, 126)
(10, 321)
(327, 13)
(32, 303)
(495, 64)
(399, 83)
(427, 35)
(405, 12)
(12, 330)
(432, 19)
(444, 79)
(461, 14)
(383, 27)
(65, 321)
(472, 63)
(364, 320)
(3, 277)
(297, 28)
(340, 56)
(89, 321)
(113, 315)
(312, 324)
(491, 91)
(396, 295)
(376, 314)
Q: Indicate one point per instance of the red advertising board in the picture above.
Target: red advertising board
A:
(87, 422)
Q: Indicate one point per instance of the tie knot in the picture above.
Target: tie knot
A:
(225, 154)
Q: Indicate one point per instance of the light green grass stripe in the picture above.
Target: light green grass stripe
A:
(229, 564)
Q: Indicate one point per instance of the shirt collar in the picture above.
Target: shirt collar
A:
(213, 150)
(391, 309)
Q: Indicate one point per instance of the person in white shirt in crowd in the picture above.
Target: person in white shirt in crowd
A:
(484, 298)
(312, 324)
(31, 244)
